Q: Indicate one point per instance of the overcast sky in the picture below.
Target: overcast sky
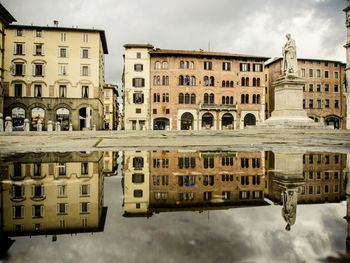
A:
(254, 27)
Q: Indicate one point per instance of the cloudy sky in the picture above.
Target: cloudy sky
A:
(248, 27)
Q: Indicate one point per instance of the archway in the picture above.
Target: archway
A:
(62, 116)
(249, 120)
(18, 115)
(207, 121)
(37, 114)
(85, 118)
(187, 121)
(227, 121)
(333, 121)
(160, 123)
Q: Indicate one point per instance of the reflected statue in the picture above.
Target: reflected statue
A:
(290, 199)
(289, 53)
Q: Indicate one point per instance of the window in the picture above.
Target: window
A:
(63, 52)
(62, 208)
(244, 195)
(138, 67)
(244, 67)
(138, 55)
(336, 88)
(157, 65)
(303, 72)
(318, 87)
(311, 87)
(318, 73)
(38, 33)
(37, 210)
(156, 97)
(85, 38)
(84, 207)
(85, 91)
(38, 70)
(257, 67)
(84, 168)
(336, 159)
(208, 65)
(37, 90)
(138, 110)
(326, 74)
(84, 222)
(138, 82)
(85, 53)
(63, 37)
(326, 159)
(327, 103)
(85, 70)
(19, 32)
(38, 50)
(226, 66)
(336, 104)
(165, 97)
(37, 191)
(84, 190)
(336, 75)
(154, 111)
(311, 73)
(138, 98)
(18, 191)
(326, 87)
(18, 211)
(326, 188)
(62, 190)
(319, 104)
(62, 91)
(19, 69)
(311, 104)
(207, 196)
(62, 169)
(165, 80)
(138, 193)
(138, 178)
(19, 49)
(61, 224)
(62, 69)
(164, 65)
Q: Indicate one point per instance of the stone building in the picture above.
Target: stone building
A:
(5, 19)
(324, 99)
(192, 90)
(347, 46)
(52, 193)
(54, 74)
(111, 107)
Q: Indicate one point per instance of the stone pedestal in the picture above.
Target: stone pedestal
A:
(49, 126)
(1, 123)
(8, 124)
(39, 126)
(58, 126)
(70, 127)
(26, 125)
(289, 112)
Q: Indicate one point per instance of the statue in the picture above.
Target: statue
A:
(290, 199)
(289, 53)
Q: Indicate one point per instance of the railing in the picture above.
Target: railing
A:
(218, 107)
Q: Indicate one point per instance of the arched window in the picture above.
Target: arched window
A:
(206, 98)
(187, 98)
(227, 100)
(223, 83)
(187, 65)
(258, 99)
(182, 64)
(231, 84)
(181, 98)
(165, 65)
(187, 80)
(247, 81)
(254, 99)
(154, 97)
(242, 98)
(193, 81)
(156, 80)
(231, 100)
(254, 82)
(193, 98)
(227, 84)
(165, 80)
(223, 100)
(211, 98)
(246, 98)
(258, 82)
(157, 65)
(243, 81)
(206, 81)
(212, 81)
(181, 80)
(191, 65)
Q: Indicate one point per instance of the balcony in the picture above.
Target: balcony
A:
(218, 107)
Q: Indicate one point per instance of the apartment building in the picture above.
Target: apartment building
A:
(324, 99)
(192, 90)
(111, 107)
(5, 19)
(52, 193)
(54, 74)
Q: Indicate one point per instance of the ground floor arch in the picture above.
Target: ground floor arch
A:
(207, 121)
(37, 114)
(249, 120)
(161, 124)
(18, 115)
(227, 122)
(187, 121)
(333, 121)
(85, 115)
(62, 116)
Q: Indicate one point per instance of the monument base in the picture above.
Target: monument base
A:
(289, 112)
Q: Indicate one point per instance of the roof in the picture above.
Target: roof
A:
(203, 53)
(138, 46)
(307, 59)
(5, 15)
(75, 29)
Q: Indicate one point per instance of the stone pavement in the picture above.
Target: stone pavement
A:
(237, 140)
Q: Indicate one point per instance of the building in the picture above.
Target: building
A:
(54, 74)
(324, 99)
(191, 90)
(5, 19)
(347, 77)
(111, 107)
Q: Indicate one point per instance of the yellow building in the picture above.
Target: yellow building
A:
(111, 107)
(5, 19)
(54, 74)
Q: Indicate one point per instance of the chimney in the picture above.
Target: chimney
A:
(55, 23)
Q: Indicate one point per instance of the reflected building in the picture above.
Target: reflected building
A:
(192, 181)
(110, 165)
(52, 193)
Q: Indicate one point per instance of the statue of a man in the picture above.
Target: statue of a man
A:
(289, 52)
(290, 200)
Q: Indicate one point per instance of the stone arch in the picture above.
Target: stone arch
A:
(249, 120)
(187, 121)
(227, 121)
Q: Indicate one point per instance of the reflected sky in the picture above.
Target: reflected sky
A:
(247, 234)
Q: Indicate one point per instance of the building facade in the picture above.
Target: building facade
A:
(5, 19)
(193, 90)
(54, 74)
(324, 99)
(111, 107)
(347, 70)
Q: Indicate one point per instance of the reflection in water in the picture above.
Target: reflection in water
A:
(61, 193)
